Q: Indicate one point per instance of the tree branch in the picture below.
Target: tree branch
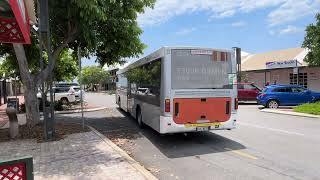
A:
(44, 74)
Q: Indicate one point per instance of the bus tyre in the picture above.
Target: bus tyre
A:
(273, 104)
(139, 119)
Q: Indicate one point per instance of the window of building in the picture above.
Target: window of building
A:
(299, 79)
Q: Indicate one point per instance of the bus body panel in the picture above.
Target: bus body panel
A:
(154, 114)
(167, 125)
(201, 110)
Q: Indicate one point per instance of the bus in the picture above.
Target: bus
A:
(181, 89)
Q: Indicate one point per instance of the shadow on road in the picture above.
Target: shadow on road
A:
(121, 125)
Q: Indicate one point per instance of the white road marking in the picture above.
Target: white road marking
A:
(271, 129)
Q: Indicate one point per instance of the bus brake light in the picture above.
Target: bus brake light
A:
(167, 105)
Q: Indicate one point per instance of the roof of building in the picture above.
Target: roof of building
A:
(258, 61)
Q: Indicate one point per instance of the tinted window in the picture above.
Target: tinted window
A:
(282, 90)
(145, 82)
(240, 86)
(298, 89)
(249, 86)
(61, 90)
(193, 70)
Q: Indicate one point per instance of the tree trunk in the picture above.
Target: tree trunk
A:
(31, 103)
(30, 87)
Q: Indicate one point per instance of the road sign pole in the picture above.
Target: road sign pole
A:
(81, 89)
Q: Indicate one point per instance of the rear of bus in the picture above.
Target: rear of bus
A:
(199, 90)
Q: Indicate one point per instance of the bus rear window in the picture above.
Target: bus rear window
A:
(193, 69)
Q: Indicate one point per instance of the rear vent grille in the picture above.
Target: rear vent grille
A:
(228, 107)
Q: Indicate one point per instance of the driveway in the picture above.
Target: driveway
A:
(264, 146)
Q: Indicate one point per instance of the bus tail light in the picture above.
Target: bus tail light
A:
(167, 105)
(236, 103)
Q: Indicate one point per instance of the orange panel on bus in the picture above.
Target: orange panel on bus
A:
(201, 110)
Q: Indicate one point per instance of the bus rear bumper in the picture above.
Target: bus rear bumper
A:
(167, 125)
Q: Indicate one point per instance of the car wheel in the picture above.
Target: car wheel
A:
(139, 119)
(64, 101)
(273, 104)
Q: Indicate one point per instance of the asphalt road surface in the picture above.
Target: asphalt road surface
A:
(264, 146)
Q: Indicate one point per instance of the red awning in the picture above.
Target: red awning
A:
(14, 22)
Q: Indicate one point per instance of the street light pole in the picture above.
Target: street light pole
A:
(44, 30)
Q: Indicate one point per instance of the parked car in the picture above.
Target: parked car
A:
(248, 92)
(286, 95)
(63, 94)
(76, 91)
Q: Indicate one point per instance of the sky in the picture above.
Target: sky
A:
(254, 25)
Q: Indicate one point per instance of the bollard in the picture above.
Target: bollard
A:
(13, 122)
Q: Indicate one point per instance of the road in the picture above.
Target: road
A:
(264, 146)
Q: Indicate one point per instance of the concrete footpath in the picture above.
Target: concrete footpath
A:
(88, 155)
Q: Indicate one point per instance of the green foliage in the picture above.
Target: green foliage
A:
(106, 28)
(9, 65)
(93, 75)
(148, 74)
(310, 108)
(312, 42)
(66, 68)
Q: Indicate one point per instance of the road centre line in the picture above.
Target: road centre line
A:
(271, 129)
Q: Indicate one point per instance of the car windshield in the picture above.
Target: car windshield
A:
(264, 90)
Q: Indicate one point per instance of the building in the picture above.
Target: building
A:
(110, 83)
(280, 67)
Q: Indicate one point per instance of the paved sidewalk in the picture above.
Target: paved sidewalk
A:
(78, 156)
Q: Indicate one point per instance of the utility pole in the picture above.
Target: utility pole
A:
(44, 30)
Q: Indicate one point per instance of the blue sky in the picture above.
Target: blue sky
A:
(254, 25)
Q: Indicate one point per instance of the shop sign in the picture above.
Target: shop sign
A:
(281, 64)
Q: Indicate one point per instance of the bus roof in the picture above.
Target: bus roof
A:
(160, 53)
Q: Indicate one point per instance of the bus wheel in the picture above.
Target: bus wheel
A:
(139, 119)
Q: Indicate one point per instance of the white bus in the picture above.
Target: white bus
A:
(181, 89)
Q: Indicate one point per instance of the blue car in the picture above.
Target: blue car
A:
(286, 95)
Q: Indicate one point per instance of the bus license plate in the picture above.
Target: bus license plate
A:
(202, 128)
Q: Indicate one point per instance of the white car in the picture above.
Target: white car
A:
(77, 92)
(63, 94)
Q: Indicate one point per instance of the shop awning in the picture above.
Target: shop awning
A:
(16, 16)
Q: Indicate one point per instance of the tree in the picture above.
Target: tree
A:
(92, 75)
(66, 68)
(106, 28)
(312, 43)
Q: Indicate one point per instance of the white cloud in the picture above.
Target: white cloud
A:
(283, 10)
(292, 10)
(239, 24)
(186, 31)
(290, 30)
